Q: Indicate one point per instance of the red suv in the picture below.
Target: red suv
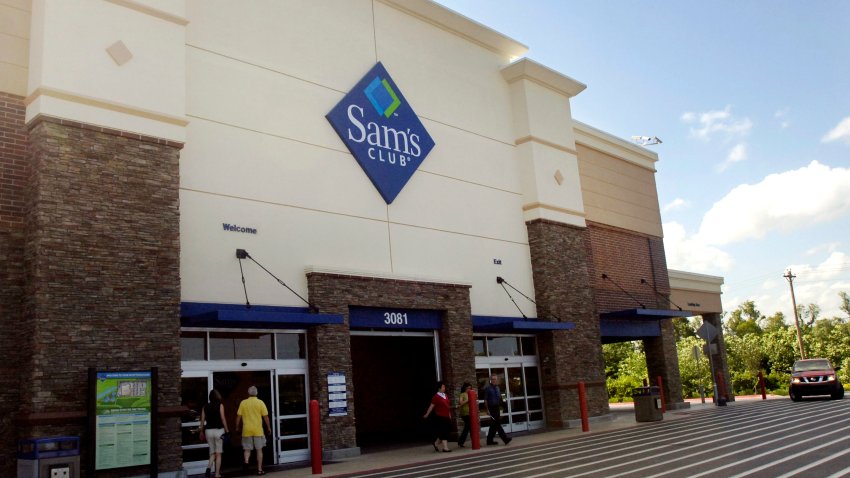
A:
(814, 377)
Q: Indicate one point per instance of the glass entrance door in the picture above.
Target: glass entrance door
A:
(292, 425)
(233, 387)
(514, 360)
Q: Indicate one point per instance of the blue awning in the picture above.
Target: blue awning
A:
(631, 329)
(196, 314)
(646, 314)
(635, 324)
(485, 323)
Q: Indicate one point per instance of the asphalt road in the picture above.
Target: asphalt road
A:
(772, 438)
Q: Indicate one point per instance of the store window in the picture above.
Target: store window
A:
(193, 346)
(240, 346)
(480, 346)
(290, 346)
(199, 345)
(503, 346)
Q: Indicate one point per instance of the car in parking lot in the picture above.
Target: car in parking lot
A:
(814, 377)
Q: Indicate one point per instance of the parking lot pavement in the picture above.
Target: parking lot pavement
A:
(622, 416)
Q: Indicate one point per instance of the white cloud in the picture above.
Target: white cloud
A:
(840, 132)
(717, 122)
(690, 254)
(736, 155)
(813, 284)
(782, 117)
(819, 284)
(784, 201)
(675, 204)
(820, 248)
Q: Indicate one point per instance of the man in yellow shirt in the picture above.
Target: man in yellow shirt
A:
(253, 412)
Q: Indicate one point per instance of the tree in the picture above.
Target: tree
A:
(810, 314)
(744, 320)
(829, 338)
(845, 303)
(614, 355)
(682, 328)
(693, 372)
(775, 322)
(780, 348)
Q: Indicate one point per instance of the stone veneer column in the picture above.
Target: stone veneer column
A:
(662, 360)
(719, 359)
(330, 345)
(14, 171)
(102, 275)
(561, 282)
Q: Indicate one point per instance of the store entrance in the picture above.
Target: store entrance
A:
(233, 387)
(394, 377)
(512, 358)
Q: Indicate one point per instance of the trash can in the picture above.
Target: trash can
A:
(647, 404)
(54, 457)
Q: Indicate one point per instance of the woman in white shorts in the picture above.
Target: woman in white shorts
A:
(214, 425)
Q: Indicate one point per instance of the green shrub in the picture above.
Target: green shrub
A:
(620, 388)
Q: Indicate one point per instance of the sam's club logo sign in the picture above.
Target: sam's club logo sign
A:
(382, 132)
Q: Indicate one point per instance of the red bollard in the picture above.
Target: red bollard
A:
(761, 385)
(721, 398)
(582, 403)
(661, 392)
(315, 438)
(474, 419)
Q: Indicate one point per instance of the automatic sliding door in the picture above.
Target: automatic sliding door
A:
(233, 387)
(293, 443)
(522, 407)
(514, 384)
(193, 393)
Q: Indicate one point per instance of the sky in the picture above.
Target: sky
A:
(752, 103)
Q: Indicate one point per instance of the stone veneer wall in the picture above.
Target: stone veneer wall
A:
(719, 359)
(626, 257)
(560, 267)
(330, 345)
(102, 275)
(14, 172)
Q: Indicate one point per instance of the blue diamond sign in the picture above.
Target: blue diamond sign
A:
(381, 130)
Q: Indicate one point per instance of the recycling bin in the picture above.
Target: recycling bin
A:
(647, 404)
(54, 457)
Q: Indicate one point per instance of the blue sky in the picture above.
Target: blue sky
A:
(752, 103)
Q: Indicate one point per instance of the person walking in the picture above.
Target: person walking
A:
(463, 410)
(253, 413)
(442, 418)
(214, 426)
(493, 400)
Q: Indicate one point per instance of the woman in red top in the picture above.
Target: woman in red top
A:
(442, 417)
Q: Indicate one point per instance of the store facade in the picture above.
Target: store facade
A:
(333, 201)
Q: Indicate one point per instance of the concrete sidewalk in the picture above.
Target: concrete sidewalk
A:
(622, 416)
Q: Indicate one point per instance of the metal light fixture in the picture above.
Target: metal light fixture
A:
(646, 140)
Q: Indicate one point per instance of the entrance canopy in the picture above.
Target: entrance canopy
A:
(486, 323)
(634, 324)
(198, 314)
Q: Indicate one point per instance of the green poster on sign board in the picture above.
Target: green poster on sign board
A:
(123, 419)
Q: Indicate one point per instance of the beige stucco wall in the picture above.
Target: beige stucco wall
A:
(617, 182)
(698, 293)
(14, 45)
(260, 152)
(247, 86)
(73, 75)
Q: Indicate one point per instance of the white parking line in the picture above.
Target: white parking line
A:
(619, 464)
(819, 462)
(769, 452)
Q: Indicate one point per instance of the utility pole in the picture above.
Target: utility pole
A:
(788, 275)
